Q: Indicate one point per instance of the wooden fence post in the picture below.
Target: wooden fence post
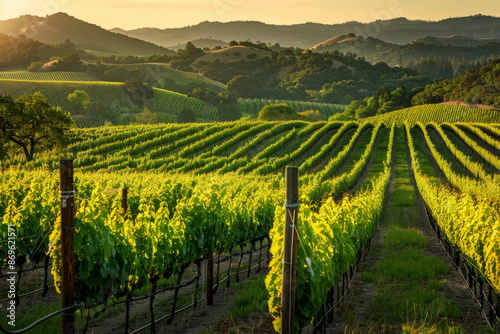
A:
(124, 200)
(67, 245)
(210, 280)
(289, 250)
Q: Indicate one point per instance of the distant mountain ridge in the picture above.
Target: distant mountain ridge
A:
(375, 50)
(307, 35)
(56, 28)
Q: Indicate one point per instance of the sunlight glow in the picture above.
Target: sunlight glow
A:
(131, 14)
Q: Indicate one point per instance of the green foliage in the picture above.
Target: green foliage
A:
(70, 62)
(244, 86)
(44, 76)
(31, 121)
(175, 219)
(253, 106)
(112, 96)
(35, 66)
(476, 85)
(326, 77)
(186, 116)
(148, 117)
(382, 102)
(190, 52)
(277, 112)
(139, 91)
(21, 50)
(80, 99)
(436, 113)
(473, 213)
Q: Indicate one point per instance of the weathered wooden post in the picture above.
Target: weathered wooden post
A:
(289, 250)
(67, 245)
(210, 280)
(124, 200)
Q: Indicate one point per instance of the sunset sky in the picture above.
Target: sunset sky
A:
(131, 14)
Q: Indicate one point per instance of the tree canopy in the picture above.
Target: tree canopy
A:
(148, 117)
(80, 99)
(186, 116)
(277, 112)
(31, 121)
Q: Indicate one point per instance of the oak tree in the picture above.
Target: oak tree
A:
(31, 121)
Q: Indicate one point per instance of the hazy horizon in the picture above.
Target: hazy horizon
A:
(133, 14)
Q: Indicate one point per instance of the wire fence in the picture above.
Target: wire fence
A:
(20, 273)
(183, 291)
(337, 294)
(482, 291)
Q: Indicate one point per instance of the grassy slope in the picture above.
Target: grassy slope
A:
(160, 72)
(437, 113)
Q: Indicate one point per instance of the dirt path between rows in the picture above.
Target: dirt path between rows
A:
(352, 315)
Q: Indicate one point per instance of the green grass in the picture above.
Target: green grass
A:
(404, 195)
(26, 316)
(420, 303)
(409, 282)
(251, 297)
(399, 238)
(410, 264)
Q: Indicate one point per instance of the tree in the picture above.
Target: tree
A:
(80, 100)
(3, 151)
(186, 116)
(70, 62)
(148, 117)
(228, 109)
(247, 87)
(190, 52)
(139, 92)
(31, 121)
(277, 112)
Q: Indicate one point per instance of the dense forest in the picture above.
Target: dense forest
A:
(476, 85)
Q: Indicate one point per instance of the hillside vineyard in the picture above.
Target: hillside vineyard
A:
(199, 189)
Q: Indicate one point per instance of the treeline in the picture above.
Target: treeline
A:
(21, 50)
(448, 68)
(383, 101)
(227, 104)
(331, 77)
(476, 85)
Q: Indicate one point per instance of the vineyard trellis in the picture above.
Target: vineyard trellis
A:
(257, 146)
(482, 291)
(255, 250)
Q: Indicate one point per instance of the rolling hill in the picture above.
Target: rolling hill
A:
(232, 54)
(355, 44)
(201, 43)
(307, 35)
(438, 113)
(60, 26)
(111, 94)
(162, 74)
(416, 50)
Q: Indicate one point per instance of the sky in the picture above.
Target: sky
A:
(132, 14)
